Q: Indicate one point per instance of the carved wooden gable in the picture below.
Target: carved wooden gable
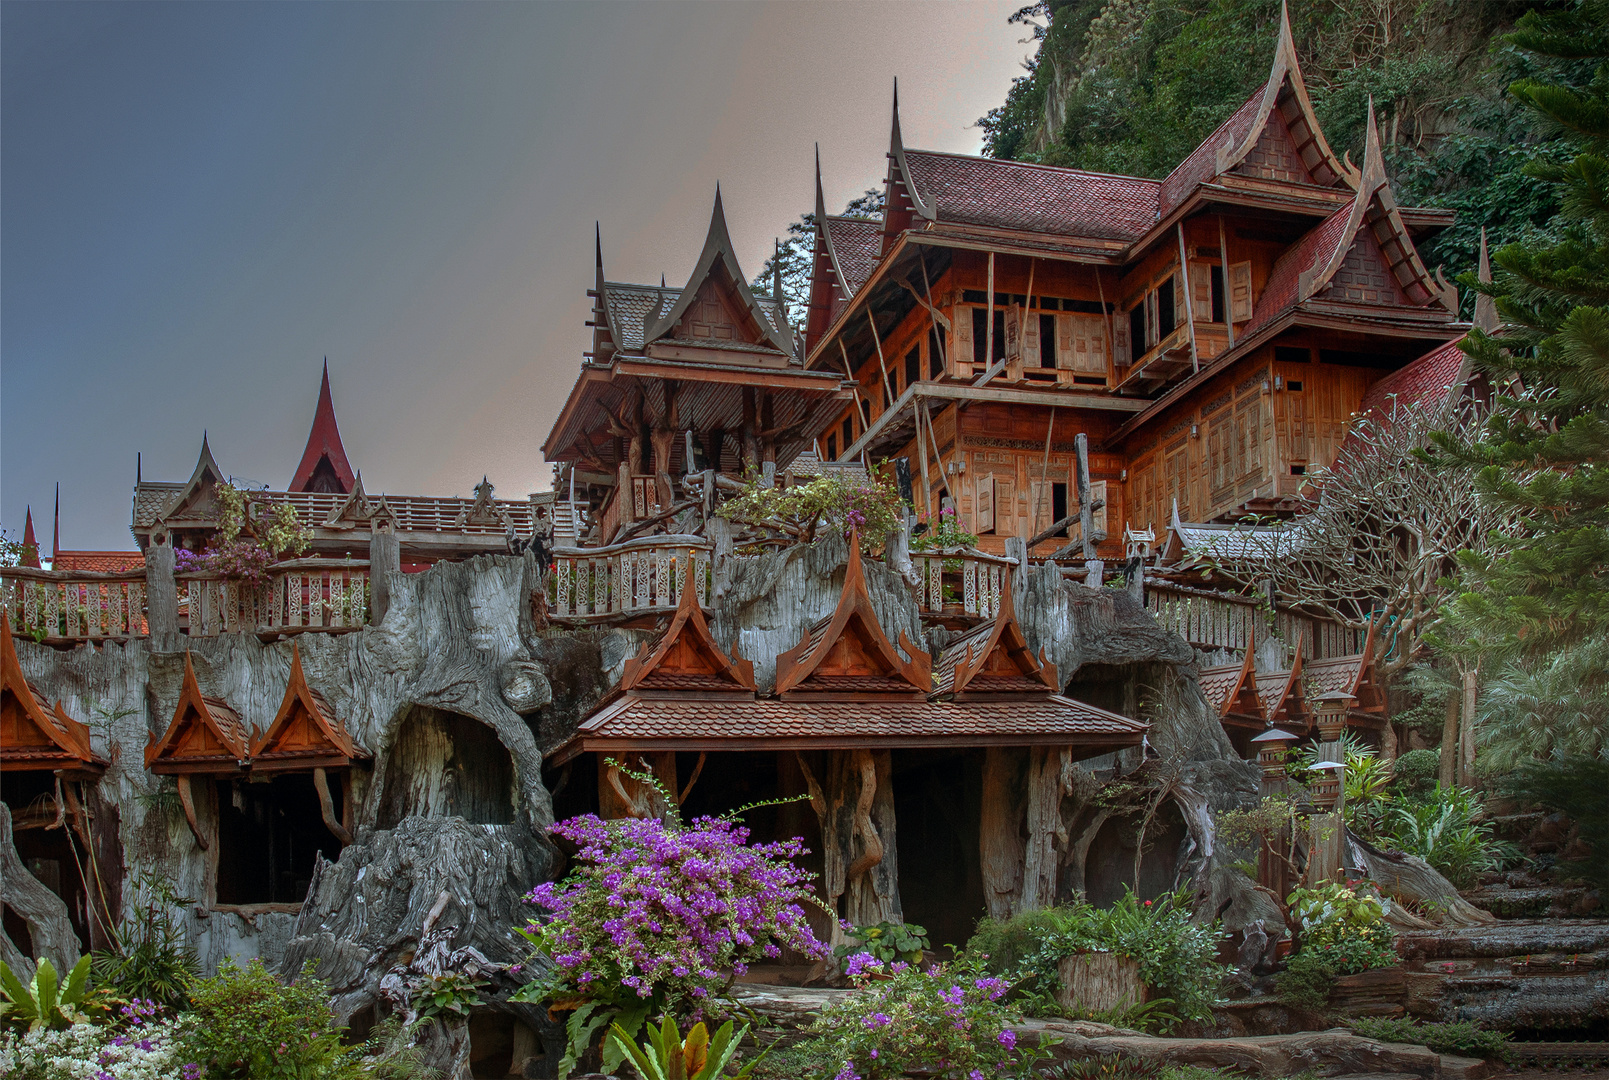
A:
(1280, 693)
(848, 654)
(205, 736)
(1274, 155)
(34, 735)
(686, 657)
(1231, 689)
(198, 502)
(1352, 675)
(993, 661)
(305, 733)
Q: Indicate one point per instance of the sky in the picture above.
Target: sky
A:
(200, 202)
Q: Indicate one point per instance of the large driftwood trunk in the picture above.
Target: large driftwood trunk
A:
(1049, 777)
(41, 909)
(854, 801)
(1002, 847)
(1409, 879)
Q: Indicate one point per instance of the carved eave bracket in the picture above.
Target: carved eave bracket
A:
(687, 652)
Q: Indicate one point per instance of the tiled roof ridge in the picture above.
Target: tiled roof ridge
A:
(1064, 170)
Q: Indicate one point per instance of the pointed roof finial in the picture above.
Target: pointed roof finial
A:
(30, 546)
(1485, 306)
(324, 444)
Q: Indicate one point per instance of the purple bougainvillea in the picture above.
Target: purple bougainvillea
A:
(669, 912)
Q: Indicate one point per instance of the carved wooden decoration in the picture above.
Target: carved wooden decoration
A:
(1353, 675)
(206, 735)
(993, 661)
(1281, 695)
(687, 656)
(1231, 689)
(848, 655)
(305, 733)
(33, 735)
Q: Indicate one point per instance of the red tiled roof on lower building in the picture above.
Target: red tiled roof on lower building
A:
(856, 243)
(98, 562)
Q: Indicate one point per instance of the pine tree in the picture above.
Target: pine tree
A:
(1546, 452)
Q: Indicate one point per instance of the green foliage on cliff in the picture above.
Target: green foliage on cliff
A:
(1132, 86)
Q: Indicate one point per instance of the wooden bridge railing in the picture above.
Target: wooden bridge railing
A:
(66, 606)
(301, 594)
(624, 580)
(959, 581)
(1212, 620)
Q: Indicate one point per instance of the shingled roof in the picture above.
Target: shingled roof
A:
(206, 735)
(992, 661)
(686, 657)
(323, 444)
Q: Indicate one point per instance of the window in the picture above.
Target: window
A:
(1294, 385)
(1285, 354)
(1217, 294)
(849, 432)
(980, 330)
(1164, 311)
(1047, 341)
(1137, 329)
(935, 354)
(269, 837)
(913, 365)
(1058, 502)
(832, 448)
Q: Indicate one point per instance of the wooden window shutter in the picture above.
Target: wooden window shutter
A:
(1030, 338)
(1240, 291)
(1064, 341)
(1098, 496)
(1201, 290)
(1005, 507)
(1122, 354)
(985, 504)
(1088, 352)
(1014, 329)
(1215, 453)
(1179, 300)
(961, 340)
(1150, 319)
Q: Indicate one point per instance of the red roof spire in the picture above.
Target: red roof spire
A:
(324, 466)
(30, 546)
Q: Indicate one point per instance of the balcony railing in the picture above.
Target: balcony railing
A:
(302, 594)
(1211, 620)
(624, 580)
(62, 606)
(960, 581)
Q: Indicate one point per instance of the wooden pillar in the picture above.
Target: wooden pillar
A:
(161, 591)
(1047, 767)
(854, 802)
(1003, 852)
(385, 559)
(751, 433)
(662, 439)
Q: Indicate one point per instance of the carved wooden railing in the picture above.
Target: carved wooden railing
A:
(1213, 620)
(301, 594)
(67, 606)
(624, 580)
(959, 581)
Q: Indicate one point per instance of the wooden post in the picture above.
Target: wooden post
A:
(1086, 513)
(385, 559)
(888, 386)
(855, 806)
(988, 327)
(1447, 771)
(921, 460)
(1223, 267)
(1466, 737)
(1189, 307)
(161, 591)
(1044, 476)
(1003, 853)
(751, 432)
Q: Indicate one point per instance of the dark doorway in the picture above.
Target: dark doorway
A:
(938, 798)
(48, 851)
(444, 764)
(269, 838)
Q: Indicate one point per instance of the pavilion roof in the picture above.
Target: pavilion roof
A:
(686, 657)
(305, 732)
(33, 733)
(1231, 690)
(992, 661)
(206, 735)
(323, 443)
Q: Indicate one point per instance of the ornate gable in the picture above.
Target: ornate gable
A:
(686, 657)
(205, 736)
(198, 500)
(716, 306)
(993, 661)
(848, 655)
(34, 735)
(324, 467)
(1231, 689)
(1274, 156)
(1353, 675)
(305, 733)
(1280, 694)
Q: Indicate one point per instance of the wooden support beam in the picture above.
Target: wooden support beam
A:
(187, 800)
(1086, 512)
(326, 808)
(1223, 269)
(1189, 306)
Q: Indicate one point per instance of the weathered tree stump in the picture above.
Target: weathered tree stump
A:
(1100, 982)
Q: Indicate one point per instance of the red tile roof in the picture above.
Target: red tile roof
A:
(1033, 198)
(99, 562)
(1201, 164)
(1425, 383)
(1054, 720)
(856, 242)
(1315, 249)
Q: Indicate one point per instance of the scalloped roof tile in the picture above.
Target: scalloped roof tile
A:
(1034, 198)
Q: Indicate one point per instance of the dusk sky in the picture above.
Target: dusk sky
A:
(199, 202)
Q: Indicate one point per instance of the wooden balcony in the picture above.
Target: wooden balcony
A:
(66, 608)
(299, 595)
(959, 584)
(624, 581)
(1214, 620)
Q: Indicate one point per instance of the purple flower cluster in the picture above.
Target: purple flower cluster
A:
(656, 910)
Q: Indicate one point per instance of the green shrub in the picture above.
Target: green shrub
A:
(1107, 1067)
(1573, 786)
(46, 1002)
(887, 941)
(1307, 981)
(1415, 772)
(1177, 956)
(1446, 831)
(1346, 926)
(150, 960)
(1462, 1038)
